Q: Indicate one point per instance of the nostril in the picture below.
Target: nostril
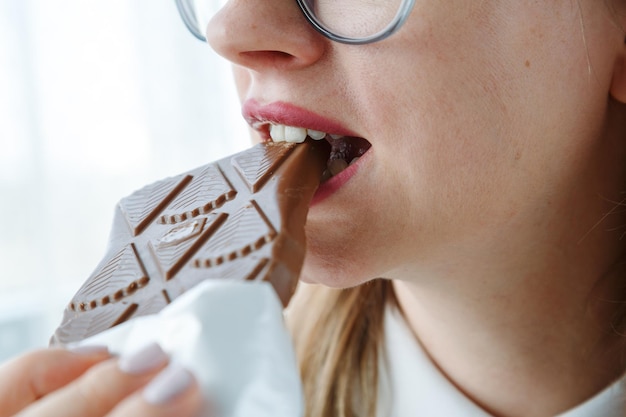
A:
(267, 55)
(277, 59)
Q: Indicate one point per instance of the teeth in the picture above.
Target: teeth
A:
(316, 134)
(283, 133)
(295, 134)
(277, 133)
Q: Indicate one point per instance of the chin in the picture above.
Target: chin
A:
(334, 273)
(341, 253)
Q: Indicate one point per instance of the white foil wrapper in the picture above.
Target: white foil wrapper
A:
(232, 336)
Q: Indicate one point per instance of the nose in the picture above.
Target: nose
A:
(265, 33)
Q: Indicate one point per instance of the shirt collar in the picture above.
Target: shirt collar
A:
(412, 385)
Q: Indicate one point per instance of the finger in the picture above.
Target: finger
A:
(29, 377)
(102, 387)
(174, 392)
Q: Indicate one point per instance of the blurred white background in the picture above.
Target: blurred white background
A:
(97, 99)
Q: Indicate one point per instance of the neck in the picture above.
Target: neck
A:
(506, 334)
(527, 317)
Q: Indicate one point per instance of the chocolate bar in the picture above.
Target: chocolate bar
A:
(241, 218)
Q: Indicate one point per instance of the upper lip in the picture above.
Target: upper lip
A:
(259, 116)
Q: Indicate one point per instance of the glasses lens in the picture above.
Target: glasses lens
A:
(350, 21)
(355, 19)
(198, 13)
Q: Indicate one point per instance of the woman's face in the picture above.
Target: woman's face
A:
(483, 116)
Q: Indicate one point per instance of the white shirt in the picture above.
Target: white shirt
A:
(412, 386)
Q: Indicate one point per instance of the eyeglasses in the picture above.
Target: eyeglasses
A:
(353, 22)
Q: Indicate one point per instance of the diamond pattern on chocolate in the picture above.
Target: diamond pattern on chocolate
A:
(257, 167)
(130, 310)
(257, 269)
(238, 218)
(246, 231)
(179, 244)
(208, 191)
(102, 318)
(142, 207)
(247, 271)
(250, 273)
(120, 277)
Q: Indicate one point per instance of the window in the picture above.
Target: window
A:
(97, 99)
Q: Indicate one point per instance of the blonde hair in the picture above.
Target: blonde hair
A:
(338, 339)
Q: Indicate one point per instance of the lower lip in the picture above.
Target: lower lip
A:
(332, 185)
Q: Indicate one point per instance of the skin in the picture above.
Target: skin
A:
(493, 192)
(57, 382)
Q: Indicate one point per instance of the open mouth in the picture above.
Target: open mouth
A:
(344, 150)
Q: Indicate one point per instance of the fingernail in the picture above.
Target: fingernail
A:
(166, 386)
(89, 350)
(146, 359)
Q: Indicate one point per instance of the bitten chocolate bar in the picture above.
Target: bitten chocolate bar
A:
(240, 218)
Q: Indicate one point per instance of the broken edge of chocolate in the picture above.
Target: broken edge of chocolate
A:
(241, 217)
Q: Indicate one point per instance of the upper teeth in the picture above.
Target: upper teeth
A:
(283, 133)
